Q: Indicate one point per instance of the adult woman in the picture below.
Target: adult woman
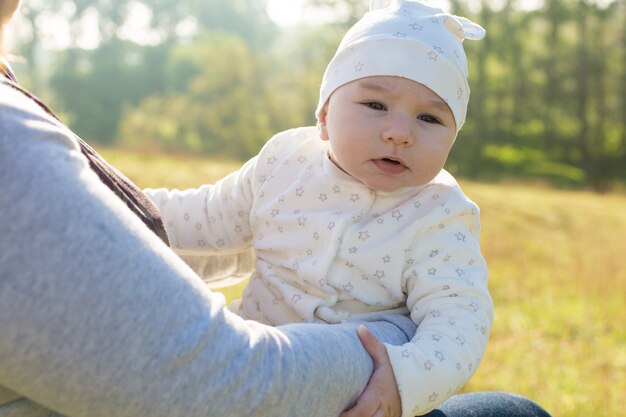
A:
(99, 318)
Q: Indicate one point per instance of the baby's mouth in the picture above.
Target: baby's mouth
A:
(389, 166)
(392, 161)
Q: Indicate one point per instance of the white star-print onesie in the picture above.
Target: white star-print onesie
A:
(328, 249)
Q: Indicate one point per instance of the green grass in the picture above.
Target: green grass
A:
(558, 278)
(557, 264)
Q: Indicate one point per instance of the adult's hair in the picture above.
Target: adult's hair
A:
(7, 9)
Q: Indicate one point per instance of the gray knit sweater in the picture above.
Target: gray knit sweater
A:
(99, 318)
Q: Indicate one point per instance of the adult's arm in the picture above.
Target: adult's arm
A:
(99, 318)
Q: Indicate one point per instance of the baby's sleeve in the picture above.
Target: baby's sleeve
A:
(448, 299)
(211, 218)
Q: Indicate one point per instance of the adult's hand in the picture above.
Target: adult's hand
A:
(380, 397)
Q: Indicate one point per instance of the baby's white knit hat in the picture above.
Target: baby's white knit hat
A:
(407, 39)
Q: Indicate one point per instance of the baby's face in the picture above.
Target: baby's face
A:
(388, 132)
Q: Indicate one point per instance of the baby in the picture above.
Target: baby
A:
(356, 217)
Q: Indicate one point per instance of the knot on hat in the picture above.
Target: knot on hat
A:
(409, 39)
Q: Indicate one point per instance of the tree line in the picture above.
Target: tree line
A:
(548, 85)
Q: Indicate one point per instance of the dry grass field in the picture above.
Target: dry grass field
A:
(557, 275)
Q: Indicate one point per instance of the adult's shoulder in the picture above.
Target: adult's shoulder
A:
(24, 123)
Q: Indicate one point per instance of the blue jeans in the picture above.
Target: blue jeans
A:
(488, 404)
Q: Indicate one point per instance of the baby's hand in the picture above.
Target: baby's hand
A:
(380, 397)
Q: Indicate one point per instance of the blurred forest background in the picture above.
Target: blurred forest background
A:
(219, 77)
(178, 93)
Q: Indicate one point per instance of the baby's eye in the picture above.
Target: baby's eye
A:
(428, 118)
(375, 105)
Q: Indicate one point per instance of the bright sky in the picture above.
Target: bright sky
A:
(292, 12)
(56, 32)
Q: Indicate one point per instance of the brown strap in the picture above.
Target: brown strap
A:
(123, 187)
(6, 72)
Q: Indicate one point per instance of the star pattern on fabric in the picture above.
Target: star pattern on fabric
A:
(351, 253)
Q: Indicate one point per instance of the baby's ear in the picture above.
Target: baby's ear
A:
(321, 123)
(322, 131)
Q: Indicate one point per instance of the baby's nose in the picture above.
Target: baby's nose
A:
(399, 131)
